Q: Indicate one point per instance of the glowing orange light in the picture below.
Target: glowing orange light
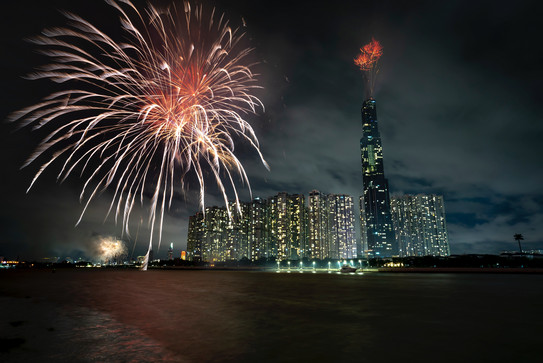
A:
(368, 60)
(369, 55)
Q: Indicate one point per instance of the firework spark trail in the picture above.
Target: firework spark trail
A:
(147, 112)
(368, 60)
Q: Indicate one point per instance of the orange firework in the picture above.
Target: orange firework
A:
(374, 49)
(369, 55)
(367, 61)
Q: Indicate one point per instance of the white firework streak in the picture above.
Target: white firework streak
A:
(167, 101)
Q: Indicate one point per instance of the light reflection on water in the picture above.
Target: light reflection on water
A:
(210, 316)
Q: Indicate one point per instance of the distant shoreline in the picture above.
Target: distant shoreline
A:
(499, 270)
(427, 270)
(508, 270)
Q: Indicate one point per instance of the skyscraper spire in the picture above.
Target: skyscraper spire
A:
(377, 231)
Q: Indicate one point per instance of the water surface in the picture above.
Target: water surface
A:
(101, 315)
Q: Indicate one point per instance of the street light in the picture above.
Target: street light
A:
(288, 266)
(329, 266)
(278, 269)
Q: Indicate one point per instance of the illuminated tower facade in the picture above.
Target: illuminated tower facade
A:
(170, 252)
(331, 226)
(317, 225)
(375, 208)
(287, 221)
(195, 237)
(342, 239)
(419, 225)
(297, 226)
(258, 229)
(214, 240)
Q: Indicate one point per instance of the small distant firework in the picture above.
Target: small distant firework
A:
(144, 113)
(111, 249)
(368, 60)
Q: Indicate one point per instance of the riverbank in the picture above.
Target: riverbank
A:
(486, 270)
(483, 270)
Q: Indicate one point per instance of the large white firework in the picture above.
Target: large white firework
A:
(143, 113)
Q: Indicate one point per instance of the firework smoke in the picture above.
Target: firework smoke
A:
(368, 60)
(110, 249)
(144, 113)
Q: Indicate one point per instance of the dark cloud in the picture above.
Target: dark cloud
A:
(457, 104)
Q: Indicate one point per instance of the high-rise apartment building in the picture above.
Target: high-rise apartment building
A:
(363, 245)
(419, 225)
(258, 233)
(195, 237)
(287, 225)
(274, 228)
(279, 228)
(214, 244)
(317, 219)
(297, 229)
(342, 238)
(215, 236)
(331, 228)
(278, 225)
(379, 233)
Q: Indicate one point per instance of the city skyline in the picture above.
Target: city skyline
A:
(278, 228)
(283, 227)
(456, 118)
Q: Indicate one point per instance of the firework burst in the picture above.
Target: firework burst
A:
(368, 60)
(140, 115)
(111, 249)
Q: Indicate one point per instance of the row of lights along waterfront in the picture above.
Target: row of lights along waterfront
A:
(313, 267)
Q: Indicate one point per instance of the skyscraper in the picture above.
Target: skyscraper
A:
(170, 252)
(214, 245)
(258, 229)
(297, 227)
(342, 240)
(375, 208)
(287, 225)
(317, 225)
(195, 237)
(331, 226)
(419, 225)
(236, 232)
(275, 228)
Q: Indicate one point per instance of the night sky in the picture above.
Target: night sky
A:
(458, 111)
